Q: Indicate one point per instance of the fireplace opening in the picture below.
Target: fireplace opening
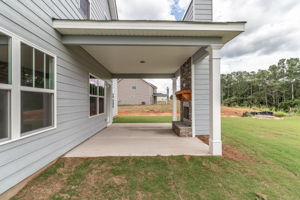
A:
(186, 113)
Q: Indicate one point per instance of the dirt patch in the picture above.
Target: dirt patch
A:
(44, 186)
(144, 114)
(234, 154)
(119, 180)
(229, 152)
(261, 196)
(204, 138)
(147, 110)
(235, 112)
(166, 110)
(187, 158)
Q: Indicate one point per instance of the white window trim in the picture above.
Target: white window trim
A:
(98, 114)
(16, 88)
(8, 87)
(5, 86)
(9, 116)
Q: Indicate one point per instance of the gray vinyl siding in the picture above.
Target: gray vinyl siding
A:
(127, 95)
(70, 9)
(189, 13)
(32, 20)
(202, 102)
(203, 10)
(100, 10)
(199, 10)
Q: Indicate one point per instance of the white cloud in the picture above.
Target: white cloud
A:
(161, 85)
(145, 9)
(272, 32)
(184, 4)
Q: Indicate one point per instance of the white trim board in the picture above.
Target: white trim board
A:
(225, 30)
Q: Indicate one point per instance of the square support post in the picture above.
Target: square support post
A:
(215, 140)
(174, 99)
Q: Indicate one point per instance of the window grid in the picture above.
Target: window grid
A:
(14, 86)
(97, 91)
(38, 90)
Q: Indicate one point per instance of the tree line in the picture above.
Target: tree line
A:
(277, 87)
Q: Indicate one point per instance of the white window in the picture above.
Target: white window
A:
(27, 88)
(97, 96)
(5, 86)
(85, 8)
(37, 91)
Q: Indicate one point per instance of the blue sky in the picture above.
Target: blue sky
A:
(177, 11)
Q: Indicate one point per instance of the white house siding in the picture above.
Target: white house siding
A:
(32, 20)
(202, 103)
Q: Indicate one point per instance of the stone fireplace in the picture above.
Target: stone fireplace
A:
(183, 128)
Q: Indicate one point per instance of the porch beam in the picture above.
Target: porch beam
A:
(215, 141)
(139, 76)
(200, 54)
(140, 40)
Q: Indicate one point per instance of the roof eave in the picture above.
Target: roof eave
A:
(225, 30)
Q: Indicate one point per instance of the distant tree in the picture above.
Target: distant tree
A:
(277, 87)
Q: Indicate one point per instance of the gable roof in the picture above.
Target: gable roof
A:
(150, 84)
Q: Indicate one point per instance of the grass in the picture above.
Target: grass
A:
(270, 170)
(143, 119)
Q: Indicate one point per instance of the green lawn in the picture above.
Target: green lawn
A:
(271, 170)
(143, 119)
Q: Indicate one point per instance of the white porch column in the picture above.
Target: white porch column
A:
(174, 100)
(215, 140)
(115, 96)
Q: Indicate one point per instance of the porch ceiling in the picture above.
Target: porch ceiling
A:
(142, 49)
(141, 59)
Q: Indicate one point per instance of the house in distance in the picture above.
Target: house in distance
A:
(138, 92)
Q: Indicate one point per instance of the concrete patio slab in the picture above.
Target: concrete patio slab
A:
(139, 140)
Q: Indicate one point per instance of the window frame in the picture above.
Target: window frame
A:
(97, 96)
(16, 88)
(41, 90)
(8, 87)
(9, 114)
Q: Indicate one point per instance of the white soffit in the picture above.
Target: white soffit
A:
(224, 30)
(127, 59)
